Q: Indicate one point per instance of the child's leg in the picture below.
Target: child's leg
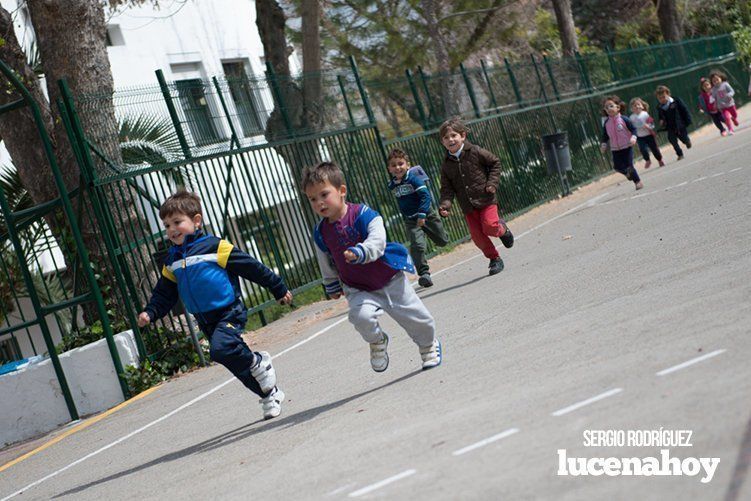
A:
(728, 118)
(674, 141)
(228, 348)
(717, 119)
(734, 114)
(417, 246)
(474, 221)
(364, 310)
(682, 134)
(651, 142)
(435, 230)
(406, 307)
(644, 147)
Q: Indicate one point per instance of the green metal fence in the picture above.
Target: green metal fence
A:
(250, 187)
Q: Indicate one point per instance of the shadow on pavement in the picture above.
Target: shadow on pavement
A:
(237, 434)
(740, 472)
(447, 289)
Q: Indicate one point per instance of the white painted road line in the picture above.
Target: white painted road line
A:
(483, 443)
(382, 483)
(689, 362)
(596, 398)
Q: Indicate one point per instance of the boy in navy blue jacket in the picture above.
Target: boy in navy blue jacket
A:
(203, 271)
(415, 203)
(675, 117)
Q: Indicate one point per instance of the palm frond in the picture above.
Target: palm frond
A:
(148, 139)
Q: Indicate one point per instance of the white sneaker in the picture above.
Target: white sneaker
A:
(272, 403)
(264, 372)
(379, 357)
(431, 355)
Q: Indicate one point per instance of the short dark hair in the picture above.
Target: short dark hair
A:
(454, 123)
(181, 202)
(397, 153)
(321, 173)
(717, 73)
(662, 89)
(617, 100)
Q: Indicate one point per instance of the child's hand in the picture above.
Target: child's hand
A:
(143, 319)
(490, 189)
(702, 111)
(443, 212)
(420, 221)
(335, 295)
(632, 141)
(350, 256)
(603, 147)
(287, 299)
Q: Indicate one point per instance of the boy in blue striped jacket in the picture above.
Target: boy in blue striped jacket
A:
(415, 203)
(203, 271)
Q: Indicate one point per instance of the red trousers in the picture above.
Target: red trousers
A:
(484, 223)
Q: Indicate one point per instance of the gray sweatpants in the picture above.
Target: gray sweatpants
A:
(399, 300)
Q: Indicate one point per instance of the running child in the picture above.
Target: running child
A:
(620, 134)
(645, 131)
(203, 271)
(723, 94)
(708, 104)
(471, 174)
(674, 117)
(415, 204)
(357, 262)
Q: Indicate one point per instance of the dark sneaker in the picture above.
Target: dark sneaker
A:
(507, 239)
(425, 280)
(688, 145)
(496, 266)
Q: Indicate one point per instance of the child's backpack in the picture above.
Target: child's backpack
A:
(419, 173)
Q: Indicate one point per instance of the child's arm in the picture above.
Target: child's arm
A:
(631, 129)
(246, 266)
(604, 138)
(330, 275)
(728, 89)
(373, 246)
(163, 298)
(447, 194)
(493, 164)
(683, 111)
(423, 194)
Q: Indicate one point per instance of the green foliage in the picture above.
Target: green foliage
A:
(179, 357)
(547, 40)
(716, 17)
(742, 39)
(142, 378)
(149, 139)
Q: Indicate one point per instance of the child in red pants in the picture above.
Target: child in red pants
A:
(471, 174)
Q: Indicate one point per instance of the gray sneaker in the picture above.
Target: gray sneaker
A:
(425, 280)
(272, 403)
(379, 357)
(432, 355)
(263, 372)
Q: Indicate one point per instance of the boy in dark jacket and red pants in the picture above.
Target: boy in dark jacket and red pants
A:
(675, 117)
(471, 174)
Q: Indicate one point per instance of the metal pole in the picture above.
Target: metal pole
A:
(277, 91)
(363, 92)
(514, 85)
(416, 95)
(342, 88)
(539, 78)
(173, 114)
(470, 90)
(583, 69)
(551, 77)
(611, 62)
(488, 82)
(427, 91)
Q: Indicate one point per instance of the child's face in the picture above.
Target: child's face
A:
(637, 107)
(453, 140)
(179, 225)
(663, 98)
(706, 86)
(398, 167)
(327, 200)
(611, 108)
(716, 80)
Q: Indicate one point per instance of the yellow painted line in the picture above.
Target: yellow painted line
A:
(78, 428)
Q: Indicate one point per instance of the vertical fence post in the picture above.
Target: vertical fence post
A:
(514, 85)
(470, 90)
(539, 78)
(611, 62)
(340, 79)
(173, 114)
(549, 69)
(418, 102)
(426, 89)
(279, 98)
(363, 92)
(583, 70)
(489, 83)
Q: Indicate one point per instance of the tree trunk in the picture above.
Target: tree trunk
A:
(667, 14)
(311, 64)
(566, 28)
(443, 62)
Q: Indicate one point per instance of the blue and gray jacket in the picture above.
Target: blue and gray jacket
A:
(412, 195)
(204, 272)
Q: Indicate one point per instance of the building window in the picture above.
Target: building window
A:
(197, 112)
(245, 96)
(114, 35)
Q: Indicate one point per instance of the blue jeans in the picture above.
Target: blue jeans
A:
(647, 143)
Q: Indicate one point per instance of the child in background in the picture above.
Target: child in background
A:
(723, 94)
(471, 174)
(619, 132)
(415, 203)
(674, 117)
(356, 260)
(645, 131)
(708, 105)
(203, 270)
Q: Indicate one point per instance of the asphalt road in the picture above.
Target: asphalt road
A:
(602, 292)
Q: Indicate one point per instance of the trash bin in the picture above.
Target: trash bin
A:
(557, 153)
(558, 158)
